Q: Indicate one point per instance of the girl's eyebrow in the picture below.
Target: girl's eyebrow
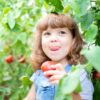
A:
(45, 31)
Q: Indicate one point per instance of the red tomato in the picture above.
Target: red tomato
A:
(46, 66)
(9, 59)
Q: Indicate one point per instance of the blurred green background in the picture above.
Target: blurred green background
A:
(17, 27)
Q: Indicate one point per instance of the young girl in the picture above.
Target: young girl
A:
(57, 39)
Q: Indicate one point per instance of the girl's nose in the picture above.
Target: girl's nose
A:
(54, 39)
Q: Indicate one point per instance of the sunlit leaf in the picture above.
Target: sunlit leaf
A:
(25, 80)
(22, 37)
(86, 20)
(67, 85)
(39, 2)
(6, 10)
(93, 56)
(56, 3)
(91, 33)
(67, 9)
(11, 20)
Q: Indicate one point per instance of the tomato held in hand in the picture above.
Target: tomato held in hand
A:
(46, 66)
(9, 59)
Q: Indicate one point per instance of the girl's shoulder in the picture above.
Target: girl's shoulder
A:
(38, 78)
(36, 74)
(83, 75)
(86, 86)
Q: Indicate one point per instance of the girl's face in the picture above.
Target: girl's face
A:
(56, 43)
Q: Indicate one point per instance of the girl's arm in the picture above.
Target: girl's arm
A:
(76, 96)
(31, 94)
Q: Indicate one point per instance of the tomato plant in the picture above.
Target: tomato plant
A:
(17, 21)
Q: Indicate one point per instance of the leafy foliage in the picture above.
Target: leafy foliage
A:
(17, 20)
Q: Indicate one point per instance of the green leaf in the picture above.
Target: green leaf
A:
(67, 8)
(5, 90)
(75, 7)
(96, 94)
(6, 10)
(89, 68)
(72, 80)
(86, 20)
(56, 3)
(25, 80)
(97, 15)
(93, 56)
(78, 88)
(39, 2)
(83, 6)
(49, 8)
(79, 7)
(11, 20)
(22, 37)
(91, 33)
(68, 97)
(68, 84)
(2, 97)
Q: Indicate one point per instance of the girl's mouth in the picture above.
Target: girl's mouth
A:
(54, 48)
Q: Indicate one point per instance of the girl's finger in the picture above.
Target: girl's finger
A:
(57, 66)
(51, 72)
(55, 77)
(54, 82)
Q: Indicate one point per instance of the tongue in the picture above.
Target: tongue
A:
(55, 48)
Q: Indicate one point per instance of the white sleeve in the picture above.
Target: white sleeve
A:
(87, 86)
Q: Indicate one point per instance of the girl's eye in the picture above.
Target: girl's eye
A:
(62, 32)
(47, 33)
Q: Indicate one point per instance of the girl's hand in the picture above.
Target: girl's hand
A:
(55, 75)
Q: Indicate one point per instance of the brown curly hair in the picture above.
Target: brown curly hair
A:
(56, 21)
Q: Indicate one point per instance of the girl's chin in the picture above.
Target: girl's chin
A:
(54, 58)
(54, 52)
